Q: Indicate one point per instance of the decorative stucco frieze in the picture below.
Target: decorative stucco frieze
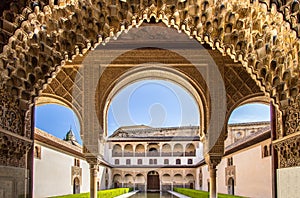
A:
(13, 150)
(289, 151)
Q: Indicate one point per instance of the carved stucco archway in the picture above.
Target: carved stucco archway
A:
(37, 38)
(52, 35)
(260, 38)
(249, 32)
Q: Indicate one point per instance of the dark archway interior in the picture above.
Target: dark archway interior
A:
(153, 183)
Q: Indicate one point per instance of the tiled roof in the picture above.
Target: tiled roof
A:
(133, 132)
(50, 140)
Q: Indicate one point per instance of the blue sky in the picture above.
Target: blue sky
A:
(57, 120)
(154, 103)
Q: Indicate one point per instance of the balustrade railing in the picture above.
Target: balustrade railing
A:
(192, 153)
(128, 154)
(140, 154)
(152, 154)
(166, 153)
(116, 154)
(178, 154)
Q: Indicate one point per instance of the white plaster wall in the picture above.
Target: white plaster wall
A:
(199, 152)
(288, 181)
(85, 184)
(101, 177)
(205, 174)
(52, 174)
(221, 185)
(253, 173)
(108, 152)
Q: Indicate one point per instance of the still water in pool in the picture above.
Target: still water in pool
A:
(152, 195)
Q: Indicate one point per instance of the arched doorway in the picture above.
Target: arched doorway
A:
(190, 181)
(231, 186)
(153, 181)
(117, 180)
(76, 186)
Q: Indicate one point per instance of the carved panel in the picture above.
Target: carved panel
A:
(239, 84)
(288, 151)
(10, 114)
(28, 124)
(292, 117)
(42, 36)
(229, 173)
(68, 85)
(76, 172)
(13, 150)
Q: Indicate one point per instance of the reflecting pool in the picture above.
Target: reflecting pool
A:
(153, 195)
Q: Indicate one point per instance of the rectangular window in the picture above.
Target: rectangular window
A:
(178, 161)
(128, 162)
(155, 161)
(117, 161)
(150, 161)
(166, 161)
(190, 161)
(140, 161)
(37, 152)
(230, 161)
(77, 162)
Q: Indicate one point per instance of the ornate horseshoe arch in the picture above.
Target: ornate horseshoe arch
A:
(107, 69)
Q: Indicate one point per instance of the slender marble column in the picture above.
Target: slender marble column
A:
(213, 183)
(93, 180)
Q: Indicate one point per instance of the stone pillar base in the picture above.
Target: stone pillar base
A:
(13, 182)
(288, 180)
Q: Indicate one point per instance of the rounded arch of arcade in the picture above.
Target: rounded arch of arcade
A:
(53, 99)
(250, 99)
(151, 72)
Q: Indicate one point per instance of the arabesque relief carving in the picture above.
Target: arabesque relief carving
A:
(28, 124)
(10, 115)
(37, 37)
(289, 150)
(292, 117)
(13, 150)
(43, 37)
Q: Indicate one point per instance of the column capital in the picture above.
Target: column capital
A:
(212, 160)
(93, 160)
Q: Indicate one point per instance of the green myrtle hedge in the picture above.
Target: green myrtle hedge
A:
(101, 194)
(200, 194)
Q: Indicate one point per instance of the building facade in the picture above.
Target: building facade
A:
(60, 167)
(159, 159)
(154, 159)
(246, 167)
